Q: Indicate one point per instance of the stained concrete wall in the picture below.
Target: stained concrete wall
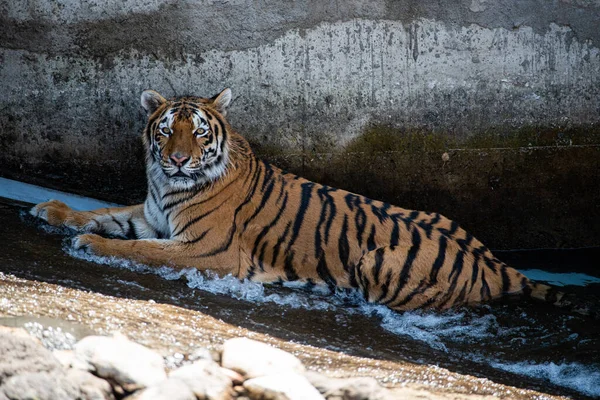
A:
(364, 94)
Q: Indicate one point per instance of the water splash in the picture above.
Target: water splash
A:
(575, 376)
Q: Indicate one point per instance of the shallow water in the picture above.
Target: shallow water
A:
(532, 346)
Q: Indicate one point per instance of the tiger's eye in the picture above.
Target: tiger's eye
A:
(165, 131)
(200, 132)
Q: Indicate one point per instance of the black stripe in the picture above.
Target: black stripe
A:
(198, 238)
(261, 257)
(364, 282)
(457, 267)
(154, 195)
(288, 267)
(352, 201)
(131, 234)
(423, 285)
(461, 296)
(453, 227)
(456, 270)
(405, 273)
(381, 212)
(474, 272)
(385, 287)
(485, 288)
(395, 238)
(360, 220)
(427, 228)
(439, 260)
(325, 274)
(304, 203)
(265, 197)
(343, 245)
(116, 221)
(267, 228)
(251, 272)
(378, 263)
(490, 264)
(505, 280)
(352, 273)
(280, 241)
(413, 215)
(371, 241)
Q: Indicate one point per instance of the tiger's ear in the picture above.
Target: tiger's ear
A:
(151, 100)
(221, 101)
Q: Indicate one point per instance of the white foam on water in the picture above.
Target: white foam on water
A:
(560, 279)
(210, 282)
(575, 376)
(433, 328)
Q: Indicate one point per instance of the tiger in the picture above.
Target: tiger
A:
(213, 205)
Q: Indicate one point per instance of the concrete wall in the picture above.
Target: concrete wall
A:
(364, 94)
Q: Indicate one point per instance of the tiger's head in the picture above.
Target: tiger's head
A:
(186, 138)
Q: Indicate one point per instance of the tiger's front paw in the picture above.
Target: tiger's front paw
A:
(53, 212)
(91, 244)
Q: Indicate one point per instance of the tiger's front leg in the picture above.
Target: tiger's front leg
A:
(154, 252)
(126, 222)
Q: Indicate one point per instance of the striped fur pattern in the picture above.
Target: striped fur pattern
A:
(213, 205)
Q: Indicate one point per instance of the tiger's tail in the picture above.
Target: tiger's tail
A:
(555, 296)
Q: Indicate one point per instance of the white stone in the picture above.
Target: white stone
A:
(205, 379)
(359, 388)
(90, 386)
(283, 386)
(169, 389)
(131, 365)
(253, 359)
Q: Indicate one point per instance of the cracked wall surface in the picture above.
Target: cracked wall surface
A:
(326, 80)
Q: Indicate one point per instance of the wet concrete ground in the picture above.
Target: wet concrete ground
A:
(37, 279)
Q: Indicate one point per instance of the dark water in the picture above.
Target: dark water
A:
(533, 346)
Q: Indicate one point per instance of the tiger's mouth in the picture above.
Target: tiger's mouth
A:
(180, 174)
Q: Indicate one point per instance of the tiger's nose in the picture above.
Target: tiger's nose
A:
(179, 159)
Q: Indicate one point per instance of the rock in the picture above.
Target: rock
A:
(169, 389)
(235, 377)
(22, 354)
(68, 359)
(129, 364)
(56, 385)
(90, 386)
(18, 332)
(205, 379)
(253, 359)
(283, 386)
(362, 388)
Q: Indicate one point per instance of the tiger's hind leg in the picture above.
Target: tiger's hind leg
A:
(437, 274)
(126, 222)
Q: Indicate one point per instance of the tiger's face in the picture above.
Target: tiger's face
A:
(187, 137)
